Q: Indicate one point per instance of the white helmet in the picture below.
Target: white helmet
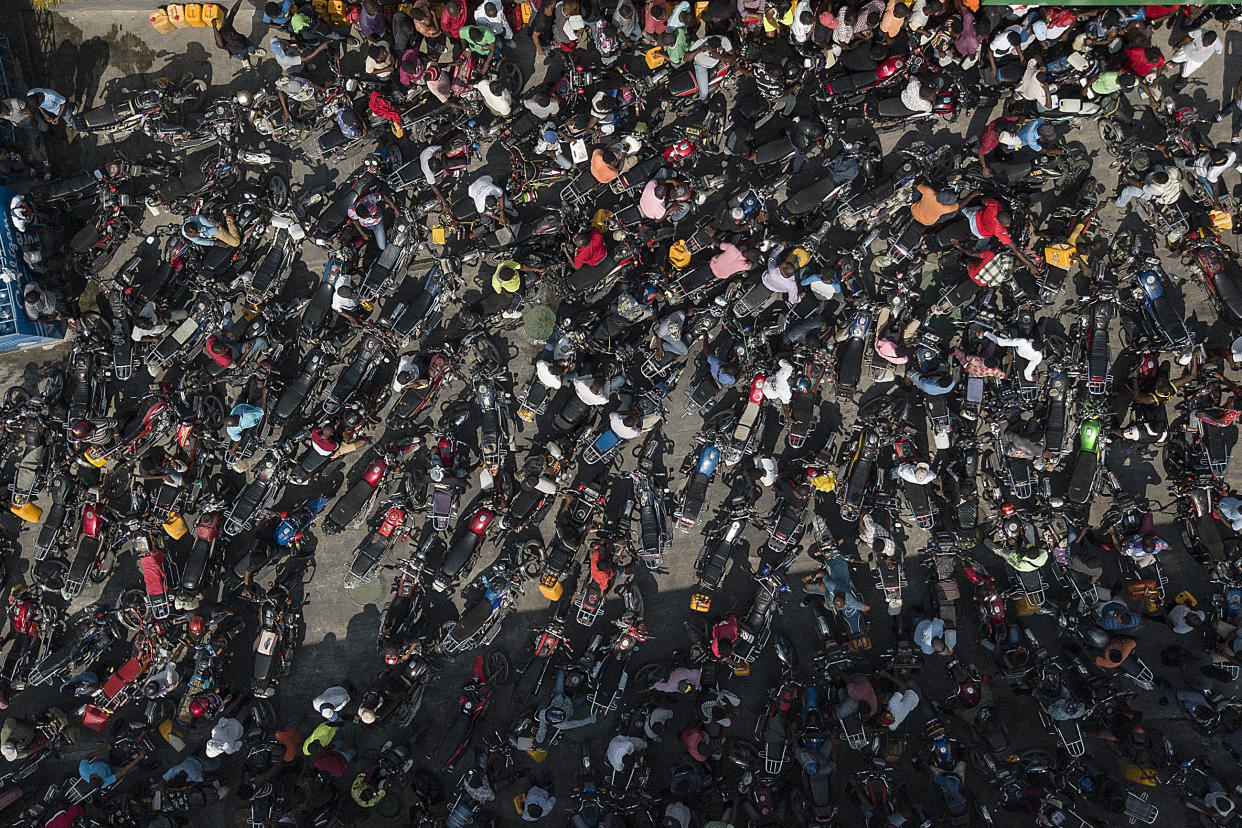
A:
(244, 98)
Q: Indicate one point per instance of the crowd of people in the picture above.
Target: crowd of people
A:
(922, 368)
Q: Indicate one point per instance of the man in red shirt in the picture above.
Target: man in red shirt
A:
(1143, 61)
(588, 249)
(991, 221)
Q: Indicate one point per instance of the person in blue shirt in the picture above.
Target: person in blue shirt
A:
(833, 582)
(277, 15)
(724, 373)
(50, 106)
(242, 417)
(204, 232)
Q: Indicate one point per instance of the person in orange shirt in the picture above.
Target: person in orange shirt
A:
(894, 18)
(934, 205)
(605, 165)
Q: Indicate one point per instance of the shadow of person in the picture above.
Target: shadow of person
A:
(89, 65)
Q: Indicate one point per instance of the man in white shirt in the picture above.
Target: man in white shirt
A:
(708, 52)
(1196, 49)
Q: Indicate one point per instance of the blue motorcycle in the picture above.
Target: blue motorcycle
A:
(695, 494)
(297, 520)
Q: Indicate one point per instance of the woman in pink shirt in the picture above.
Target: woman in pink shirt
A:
(728, 261)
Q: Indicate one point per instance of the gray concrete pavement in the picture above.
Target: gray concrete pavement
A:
(90, 52)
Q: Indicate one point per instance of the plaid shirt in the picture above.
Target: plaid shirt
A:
(974, 365)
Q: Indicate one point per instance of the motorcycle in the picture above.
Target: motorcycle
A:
(360, 495)
(464, 549)
(694, 496)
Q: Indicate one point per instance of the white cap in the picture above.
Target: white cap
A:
(9, 751)
(214, 748)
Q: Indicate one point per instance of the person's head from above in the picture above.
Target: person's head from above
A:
(490, 10)
(452, 8)
(1013, 39)
(571, 7)
(877, 52)
(877, 547)
(886, 719)
(191, 230)
(420, 13)
(1110, 18)
(491, 201)
(597, 385)
(232, 421)
(380, 52)
(662, 190)
(668, 38)
(371, 6)
(901, 11)
(658, 11)
(83, 429)
(582, 238)
(806, 18)
(405, 27)
(725, 646)
(1209, 37)
(1047, 134)
(33, 295)
(1152, 54)
(1003, 217)
(272, 10)
(1149, 544)
(838, 601)
(1218, 156)
(1160, 177)
(508, 273)
(991, 362)
(933, 7)
(788, 267)
(534, 810)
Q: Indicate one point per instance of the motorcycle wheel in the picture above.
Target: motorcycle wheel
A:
(278, 189)
(404, 715)
(213, 412)
(499, 667)
(487, 356)
(192, 96)
(650, 674)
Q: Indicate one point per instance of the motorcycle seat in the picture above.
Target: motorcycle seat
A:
(107, 115)
(473, 619)
(1229, 287)
(893, 108)
(153, 573)
(775, 150)
(682, 83)
(1083, 476)
(714, 567)
(79, 184)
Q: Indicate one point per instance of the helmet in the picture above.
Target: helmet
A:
(244, 98)
(152, 689)
(366, 715)
(554, 715)
(1098, 638)
(198, 709)
(390, 654)
(196, 625)
(82, 429)
(685, 686)
(649, 293)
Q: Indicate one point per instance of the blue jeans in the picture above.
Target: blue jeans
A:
(930, 385)
(703, 78)
(1127, 193)
(381, 237)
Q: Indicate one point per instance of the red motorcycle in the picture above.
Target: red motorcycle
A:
(359, 495)
(884, 74)
(142, 433)
(366, 559)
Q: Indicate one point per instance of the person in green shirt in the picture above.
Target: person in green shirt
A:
(676, 46)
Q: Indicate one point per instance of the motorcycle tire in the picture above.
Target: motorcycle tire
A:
(192, 96)
(499, 669)
(278, 190)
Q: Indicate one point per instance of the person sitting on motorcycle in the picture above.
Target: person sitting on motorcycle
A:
(1209, 167)
(204, 232)
(490, 203)
(244, 417)
(1162, 185)
(23, 738)
(507, 284)
(833, 583)
(1115, 616)
(1141, 547)
(586, 249)
(557, 715)
(875, 537)
(98, 432)
(1149, 396)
